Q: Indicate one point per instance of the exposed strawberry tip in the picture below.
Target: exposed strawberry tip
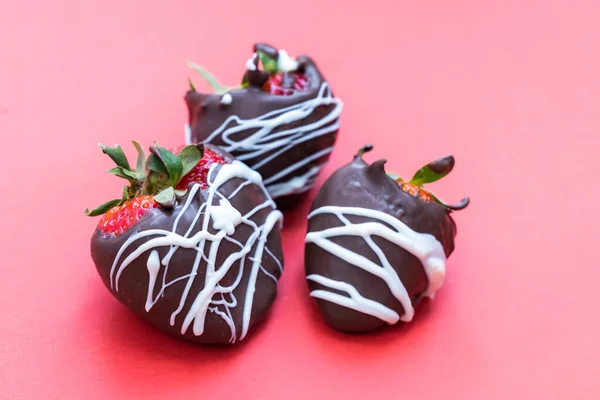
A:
(122, 217)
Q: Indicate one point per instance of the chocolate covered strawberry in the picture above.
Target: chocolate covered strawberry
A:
(193, 244)
(377, 244)
(282, 120)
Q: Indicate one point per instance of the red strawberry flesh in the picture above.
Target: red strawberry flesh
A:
(120, 218)
(199, 173)
(415, 191)
(275, 85)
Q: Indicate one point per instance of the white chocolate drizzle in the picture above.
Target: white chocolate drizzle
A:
(285, 63)
(250, 66)
(423, 246)
(225, 218)
(263, 141)
(226, 99)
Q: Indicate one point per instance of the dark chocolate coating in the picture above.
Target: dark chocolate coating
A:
(368, 186)
(133, 283)
(206, 114)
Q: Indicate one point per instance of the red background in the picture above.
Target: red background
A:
(510, 88)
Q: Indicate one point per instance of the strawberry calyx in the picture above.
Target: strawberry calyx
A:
(156, 176)
(272, 70)
(212, 80)
(431, 172)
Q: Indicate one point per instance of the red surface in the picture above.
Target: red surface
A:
(510, 88)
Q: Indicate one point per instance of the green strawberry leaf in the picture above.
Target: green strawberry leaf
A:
(154, 163)
(124, 173)
(166, 198)
(171, 162)
(190, 156)
(116, 154)
(209, 78)
(365, 149)
(141, 159)
(269, 63)
(433, 171)
(453, 207)
(103, 208)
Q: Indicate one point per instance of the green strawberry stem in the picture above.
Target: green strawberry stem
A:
(365, 149)
(192, 87)
(157, 175)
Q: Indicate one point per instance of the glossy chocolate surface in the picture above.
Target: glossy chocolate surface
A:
(287, 121)
(361, 185)
(133, 283)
